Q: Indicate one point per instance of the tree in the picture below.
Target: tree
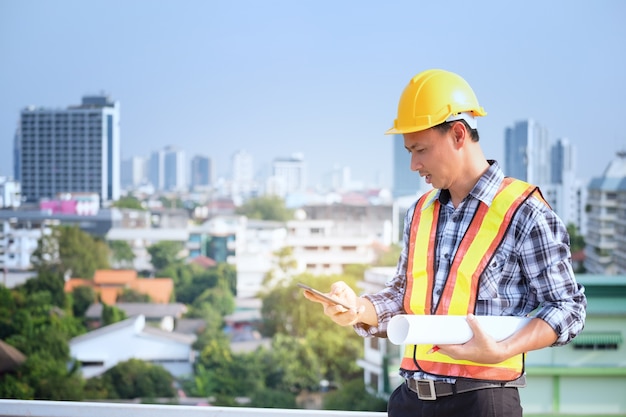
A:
(83, 296)
(129, 202)
(265, 208)
(164, 253)
(135, 378)
(111, 314)
(353, 396)
(40, 329)
(577, 241)
(390, 256)
(121, 253)
(67, 249)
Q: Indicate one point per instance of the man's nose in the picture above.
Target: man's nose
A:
(416, 164)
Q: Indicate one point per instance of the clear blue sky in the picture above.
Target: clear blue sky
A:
(321, 77)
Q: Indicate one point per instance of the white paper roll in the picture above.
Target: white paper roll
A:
(438, 329)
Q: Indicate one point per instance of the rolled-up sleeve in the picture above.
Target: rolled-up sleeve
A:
(546, 259)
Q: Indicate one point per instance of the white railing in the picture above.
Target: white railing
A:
(25, 408)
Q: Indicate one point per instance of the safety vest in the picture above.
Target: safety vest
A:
(479, 244)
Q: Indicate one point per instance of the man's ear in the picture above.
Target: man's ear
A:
(459, 132)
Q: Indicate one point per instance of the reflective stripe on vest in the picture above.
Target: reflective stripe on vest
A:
(483, 237)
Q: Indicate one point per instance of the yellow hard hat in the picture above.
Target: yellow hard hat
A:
(433, 97)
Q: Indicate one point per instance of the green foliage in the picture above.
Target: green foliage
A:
(390, 257)
(111, 314)
(191, 281)
(353, 396)
(286, 312)
(129, 295)
(220, 299)
(83, 296)
(129, 202)
(121, 253)
(135, 379)
(171, 203)
(164, 253)
(577, 241)
(67, 249)
(265, 208)
(50, 282)
(272, 398)
(40, 329)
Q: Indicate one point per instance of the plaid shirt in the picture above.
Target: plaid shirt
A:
(530, 270)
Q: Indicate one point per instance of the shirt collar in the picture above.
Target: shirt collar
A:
(485, 189)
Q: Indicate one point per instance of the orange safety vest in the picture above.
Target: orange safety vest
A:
(483, 237)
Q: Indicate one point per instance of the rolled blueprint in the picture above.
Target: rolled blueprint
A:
(442, 330)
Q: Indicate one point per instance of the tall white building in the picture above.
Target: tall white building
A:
(242, 174)
(605, 251)
(76, 149)
(566, 194)
(527, 152)
(291, 173)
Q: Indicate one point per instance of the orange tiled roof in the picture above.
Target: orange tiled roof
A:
(72, 283)
(108, 295)
(109, 283)
(159, 289)
(114, 276)
(203, 261)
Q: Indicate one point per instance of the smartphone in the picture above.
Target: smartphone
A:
(324, 296)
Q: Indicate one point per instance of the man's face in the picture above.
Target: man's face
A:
(434, 156)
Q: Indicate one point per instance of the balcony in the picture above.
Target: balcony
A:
(23, 408)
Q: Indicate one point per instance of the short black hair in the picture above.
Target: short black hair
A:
(445, 127)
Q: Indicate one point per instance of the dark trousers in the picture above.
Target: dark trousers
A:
(489, 402)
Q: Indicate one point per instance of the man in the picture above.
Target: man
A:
(477, 244)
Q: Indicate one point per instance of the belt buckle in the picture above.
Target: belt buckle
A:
(426, 389)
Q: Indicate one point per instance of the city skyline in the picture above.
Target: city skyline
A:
(291, 77)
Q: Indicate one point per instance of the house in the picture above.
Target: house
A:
(162, 316)
(103, 348)
(109, 283)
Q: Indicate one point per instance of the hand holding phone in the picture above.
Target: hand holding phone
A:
(324, 296)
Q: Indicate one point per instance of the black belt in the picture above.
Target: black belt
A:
(427, 389)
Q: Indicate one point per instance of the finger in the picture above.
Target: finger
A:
(475, 326)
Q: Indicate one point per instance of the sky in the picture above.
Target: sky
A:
(317, 77)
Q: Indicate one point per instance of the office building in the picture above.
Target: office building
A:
(291, 172)
(133, 173)
(405, 181)
(242, 174)
(201, 171)
(527, 152)
(565, 193)
(76, 149)
(174, 169)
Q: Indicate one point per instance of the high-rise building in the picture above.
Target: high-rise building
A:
(527, 152)
(566, 193)
(156, 170)
(76, 149)
(405, 181)
(242, 174)
(292, 173)
(201, 171)
(605, 246)
(133, 171)
(174, 173)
